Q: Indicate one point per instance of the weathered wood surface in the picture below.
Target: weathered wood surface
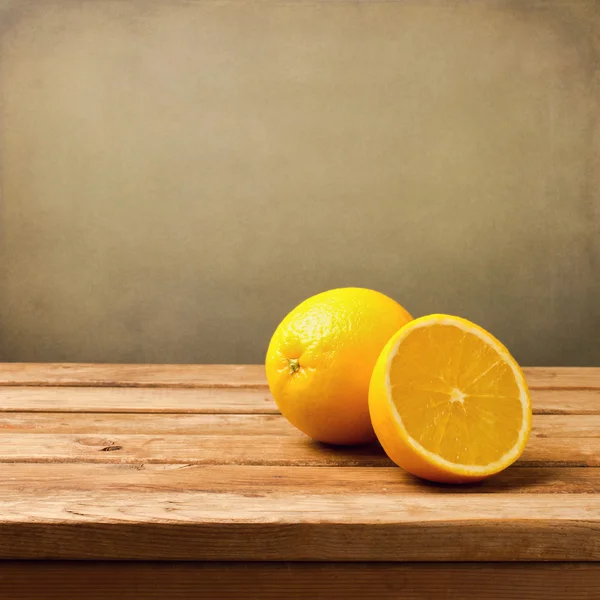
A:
(195, 463)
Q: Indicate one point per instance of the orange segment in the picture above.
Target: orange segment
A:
(448, 402)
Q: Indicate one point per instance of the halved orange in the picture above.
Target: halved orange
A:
(448, 402)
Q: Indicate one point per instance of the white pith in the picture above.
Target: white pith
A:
(458, 396)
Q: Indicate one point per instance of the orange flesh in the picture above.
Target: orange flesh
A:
(468, 393)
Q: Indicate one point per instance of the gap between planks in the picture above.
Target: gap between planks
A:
(218, 400)
(248, 376)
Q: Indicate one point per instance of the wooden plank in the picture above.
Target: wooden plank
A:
(563, 378)
(191, 449)
(291, 526)
(137, 400)
(165, 423)
(555, 426)
(81, 374)
(218, 400)
(107, 375)
(39, 477)
(565, 402)
(289, 450)
(559, 426)
(354, 507)
(565, 452)
(298, 581)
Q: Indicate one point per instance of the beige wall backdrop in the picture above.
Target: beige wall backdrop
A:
(177, 175)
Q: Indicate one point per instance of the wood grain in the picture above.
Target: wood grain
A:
(217, 400)
(80, 374)
(298, 581)
(184, 424)
(566, 402)
(291, 450)
(565, 378)
(555, 426)
(292, 526)
(357, 507)
(36, 478)
(191, 449)
(137, 400)
(107, 375)
(564, 426)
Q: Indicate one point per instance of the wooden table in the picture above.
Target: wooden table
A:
(139, 464)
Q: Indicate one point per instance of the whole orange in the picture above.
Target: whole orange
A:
(321, 357)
